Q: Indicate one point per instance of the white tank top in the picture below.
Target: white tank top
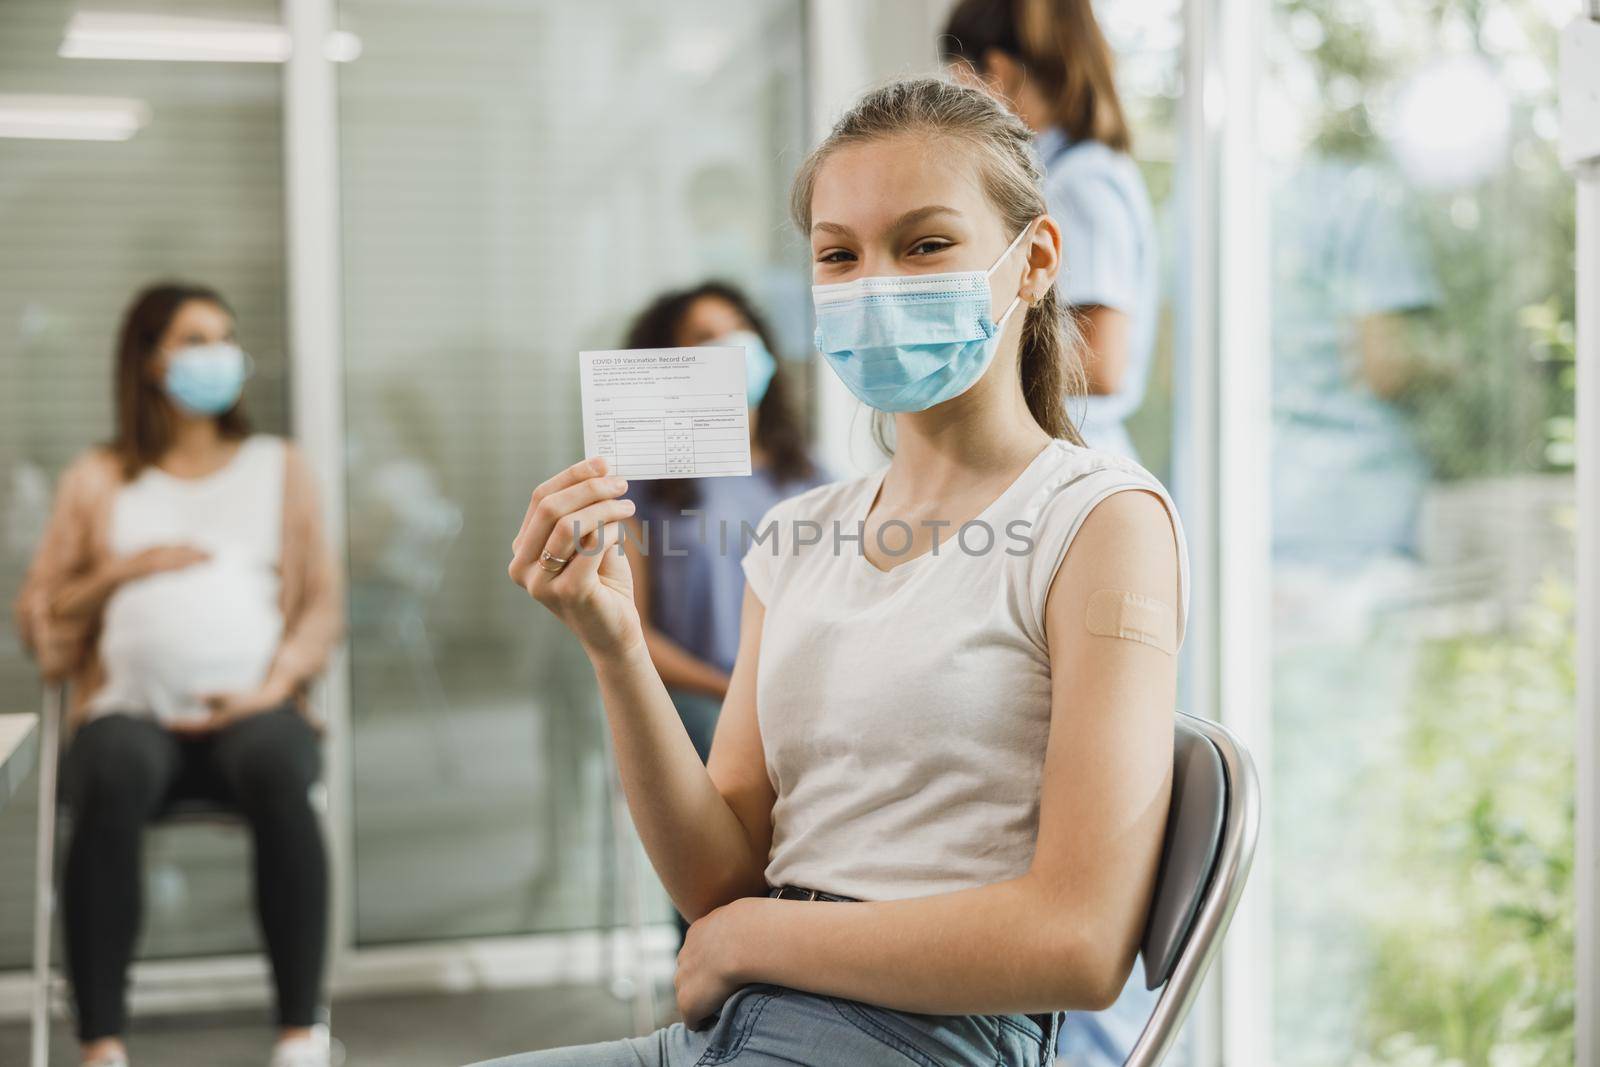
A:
(904, 713)
(210, 627)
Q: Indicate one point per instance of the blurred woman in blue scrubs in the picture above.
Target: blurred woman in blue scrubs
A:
(1049, 62)
(688, 589)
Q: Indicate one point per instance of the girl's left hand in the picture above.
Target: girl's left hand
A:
(710, 964)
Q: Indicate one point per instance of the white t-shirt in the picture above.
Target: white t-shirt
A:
(210, 627)
(904, 713)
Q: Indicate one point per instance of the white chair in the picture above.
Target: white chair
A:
(44, 869)
(1205, 858)
(44, 895)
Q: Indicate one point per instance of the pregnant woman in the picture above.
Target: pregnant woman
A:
(933, 811)
(185, 590)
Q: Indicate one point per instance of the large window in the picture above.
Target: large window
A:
(518, 180)
(1421, 303)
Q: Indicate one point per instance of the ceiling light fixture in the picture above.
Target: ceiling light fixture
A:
(177, 38)
(72, 118)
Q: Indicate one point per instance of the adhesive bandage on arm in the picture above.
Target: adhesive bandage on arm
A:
(1132, 617)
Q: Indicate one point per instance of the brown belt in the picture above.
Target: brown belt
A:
(795, 892)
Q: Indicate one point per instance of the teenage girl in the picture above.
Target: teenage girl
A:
(933, 810)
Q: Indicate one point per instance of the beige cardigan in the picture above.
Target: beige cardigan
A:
(77, 543)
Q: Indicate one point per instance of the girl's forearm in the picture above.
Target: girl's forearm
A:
(694, 840)
(999, 948)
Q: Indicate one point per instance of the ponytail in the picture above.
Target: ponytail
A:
(1051, 369)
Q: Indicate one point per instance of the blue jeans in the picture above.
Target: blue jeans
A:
(766, 1025)
(1104, 1038)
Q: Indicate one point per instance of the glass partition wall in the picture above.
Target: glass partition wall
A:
(517, 181)
(116, 172)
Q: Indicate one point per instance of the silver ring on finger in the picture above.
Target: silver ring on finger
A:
(546, 559)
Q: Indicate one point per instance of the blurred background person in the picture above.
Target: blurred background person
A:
(1049, 61)
(185, 589)
(689, 587)
(1351, 270)
(1348, 265)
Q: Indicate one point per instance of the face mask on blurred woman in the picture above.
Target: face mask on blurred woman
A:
(759, 364)
(206, 379)
(905, 342)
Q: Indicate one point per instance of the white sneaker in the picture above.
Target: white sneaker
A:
(114, 1060)
(313, 1051)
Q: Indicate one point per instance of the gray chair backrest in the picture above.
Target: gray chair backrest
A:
(1205, 859)
(1189, 852)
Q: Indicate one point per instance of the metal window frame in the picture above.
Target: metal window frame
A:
(316, 377)
(1195, 451)
(1580, 62)
(1588, 647)
(1241, 365)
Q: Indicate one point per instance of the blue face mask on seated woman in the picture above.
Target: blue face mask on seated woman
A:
(905, 342)
(759, 365)
(206, 379)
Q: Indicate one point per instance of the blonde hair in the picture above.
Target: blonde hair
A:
(1050, 354)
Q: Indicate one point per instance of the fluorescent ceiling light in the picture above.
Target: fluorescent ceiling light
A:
(72, 118)
(114, 35)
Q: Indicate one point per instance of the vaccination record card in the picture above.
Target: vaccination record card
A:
(666, 412)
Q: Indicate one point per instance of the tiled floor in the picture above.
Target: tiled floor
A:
(412, 1031)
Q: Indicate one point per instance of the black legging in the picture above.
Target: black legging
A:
(121, 771)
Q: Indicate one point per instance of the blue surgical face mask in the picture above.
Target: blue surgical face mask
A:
(759, 366)
(206, 379)
(908, 342)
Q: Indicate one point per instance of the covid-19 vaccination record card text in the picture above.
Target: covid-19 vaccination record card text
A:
(666, 412)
